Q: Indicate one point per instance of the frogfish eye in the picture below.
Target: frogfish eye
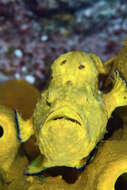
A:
(1, 131)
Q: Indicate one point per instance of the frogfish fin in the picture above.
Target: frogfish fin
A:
(24, 127)
(36, 167)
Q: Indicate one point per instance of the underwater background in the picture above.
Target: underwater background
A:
(33, 33)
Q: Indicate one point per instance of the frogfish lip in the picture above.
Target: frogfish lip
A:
(65, 113)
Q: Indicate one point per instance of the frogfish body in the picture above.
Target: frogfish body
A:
(71, 115)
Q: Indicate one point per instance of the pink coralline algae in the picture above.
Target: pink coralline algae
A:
(32, 35)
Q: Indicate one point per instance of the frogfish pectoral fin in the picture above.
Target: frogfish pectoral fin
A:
(117, 96)
(24, 128)
(36, 167)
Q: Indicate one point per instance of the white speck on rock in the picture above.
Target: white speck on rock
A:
(24, 69)
(44, 38)
(17, 76)
(88, 12)
(18, 53)
(30, 79)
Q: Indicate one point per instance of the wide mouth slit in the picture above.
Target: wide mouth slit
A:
(67, 118)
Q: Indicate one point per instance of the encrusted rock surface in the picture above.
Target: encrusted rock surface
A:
(34, 32)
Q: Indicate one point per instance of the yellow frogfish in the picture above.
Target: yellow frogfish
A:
(70, 117)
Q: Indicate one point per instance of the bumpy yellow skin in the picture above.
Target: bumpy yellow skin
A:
(71, 115)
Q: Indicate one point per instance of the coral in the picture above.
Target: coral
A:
(12, 159)
(23, 97)
(14, 178)
(8, 133)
